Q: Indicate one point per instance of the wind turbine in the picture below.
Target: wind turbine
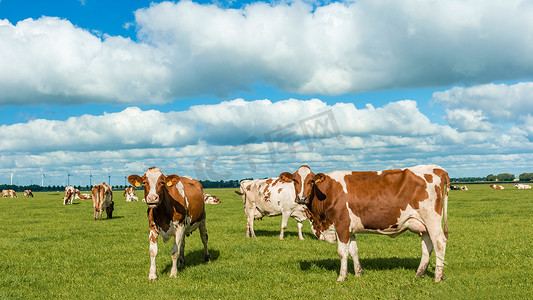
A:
(90, 178)
(42, 177)
(68, 178)
(12, 177)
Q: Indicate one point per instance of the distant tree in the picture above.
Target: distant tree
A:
(526, 177)
(505, 177)
(491, 177)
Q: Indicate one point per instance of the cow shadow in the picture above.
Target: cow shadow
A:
(260, 233)
(387, 263)
(193, 259)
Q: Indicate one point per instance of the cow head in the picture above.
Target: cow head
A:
(153, 181)
(304, 183)
(109, 210)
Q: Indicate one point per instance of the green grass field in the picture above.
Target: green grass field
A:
(48, 250)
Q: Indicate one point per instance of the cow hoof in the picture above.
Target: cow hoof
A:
(281, 237)
(420, 274)
(152, 277)
(174, 275)
(207, 259)
(437, 279)
(359, 273)
(341, 278)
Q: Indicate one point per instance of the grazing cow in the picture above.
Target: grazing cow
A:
(28, 193)
(270, 197)
(175, 208)
(464, 188)
(455, 188)
(129, 192)
(385, 202)
(210, 199)
(496, 187)
(11, 193)
(70, 194)
(522, 186)
(103, 200)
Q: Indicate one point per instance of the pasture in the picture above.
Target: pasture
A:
(48, 250)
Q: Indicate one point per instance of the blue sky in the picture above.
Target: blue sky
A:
(230, 89)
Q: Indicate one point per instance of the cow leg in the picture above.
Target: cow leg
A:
(177, 250)
(300, 226)
(354, 253)
(427, 248)
(343, 250)
(203, 235)
(439, 243)
(153, 253)
(284, 220)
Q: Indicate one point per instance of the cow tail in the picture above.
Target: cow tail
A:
(445, 206)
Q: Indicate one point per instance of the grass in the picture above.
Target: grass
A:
(48, 250)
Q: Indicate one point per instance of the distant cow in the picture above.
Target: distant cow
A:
(464, 188)
(175, 208)
(28, 193)
(522, 186)
(385, 202)
(103, 200)
(129, 192)
(11, 193)
(496, 187)
(270, 197)
(210, 199)
(70, 194)
(458, 188)
(85, 196)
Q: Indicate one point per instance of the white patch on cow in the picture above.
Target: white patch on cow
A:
(166, 235)
(181, 190)
(303, 172)
(339, 177)
(421, 170)
(152, 175)
(355, 222)
(330, 234)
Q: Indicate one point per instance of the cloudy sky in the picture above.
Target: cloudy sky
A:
(229, 89)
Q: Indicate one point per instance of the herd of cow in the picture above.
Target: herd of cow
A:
(338, 205)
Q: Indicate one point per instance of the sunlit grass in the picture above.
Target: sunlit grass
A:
(48, 250)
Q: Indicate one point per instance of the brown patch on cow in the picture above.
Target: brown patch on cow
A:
(279, 190)
(428, 178)
(379, 199)
(439, 189)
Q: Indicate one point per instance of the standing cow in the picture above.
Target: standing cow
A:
(385, 202)
(175, 208)
(70, 194)
(103, 200)
(270, 197)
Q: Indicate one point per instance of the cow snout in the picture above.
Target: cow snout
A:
(152, 200)
(302, 200)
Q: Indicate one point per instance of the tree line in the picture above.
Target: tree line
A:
(526, 177)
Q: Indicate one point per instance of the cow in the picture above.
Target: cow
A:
(11, 193)
(210, 199)
(129, 192)
(270, 197)
(496, 187)
(28, 193)
(464, 188)
(522, 186)
(102, 200)
(342, 203)
(458, 188)
(70, 194)
(175, 208)
(85, 196)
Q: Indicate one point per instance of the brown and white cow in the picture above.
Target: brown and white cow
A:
(9, 193)
(496, 187)
(210, 199)
(103, 200)
(175, 208)
(270, 197)
(28, 193)
(522, 186)
(385, 202)
(85, 196)
(129, 192)
(70, 194)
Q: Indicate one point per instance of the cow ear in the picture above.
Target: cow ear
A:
(319, 177)
(286, 177)
(135, 180)
(171, 180)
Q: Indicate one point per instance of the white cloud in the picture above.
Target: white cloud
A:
(467, 120)
(187, 49)
(237, 139)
